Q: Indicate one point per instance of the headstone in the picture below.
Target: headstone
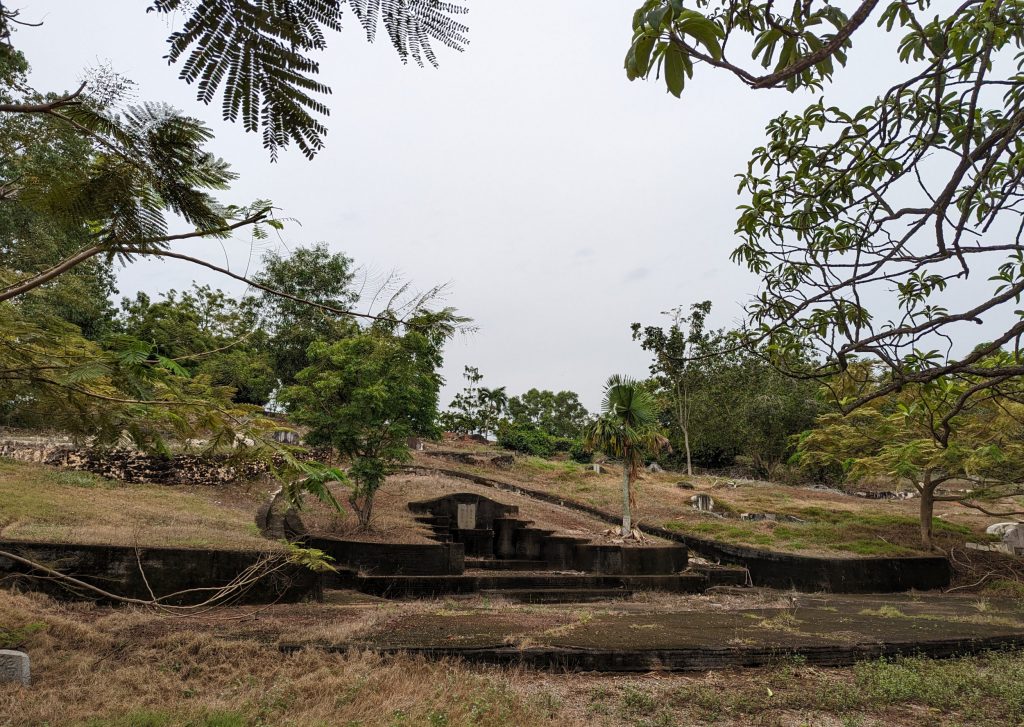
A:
(465, 517)
(702, 502)
(416, 444)
(654, 467)
(14, 667)
(597, 468)
(1012, 535)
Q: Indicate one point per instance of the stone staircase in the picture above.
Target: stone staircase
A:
(503, 556)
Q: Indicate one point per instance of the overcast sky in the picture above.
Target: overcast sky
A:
(561, 201)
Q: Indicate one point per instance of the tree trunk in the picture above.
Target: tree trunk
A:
(627, 520)
(927, 510)
(365, 512)
(686, 443)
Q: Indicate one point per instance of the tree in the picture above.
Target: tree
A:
(558, 414)
(207, 332)
(308, 274)
(626, 430)
(467, 412)
(366, 394)
(678, 357)
(980, 466)
(871, 226)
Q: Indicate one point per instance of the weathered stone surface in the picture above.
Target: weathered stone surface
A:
(14, 667)
(702, 502)
(132, 466)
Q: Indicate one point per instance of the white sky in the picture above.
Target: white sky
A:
(561, 201)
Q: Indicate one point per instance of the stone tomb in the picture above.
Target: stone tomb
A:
(492, 530)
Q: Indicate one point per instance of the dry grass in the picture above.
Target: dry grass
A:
(42, 503)
(125, 668)
(100, 668)
(394, 522)
(835, 524)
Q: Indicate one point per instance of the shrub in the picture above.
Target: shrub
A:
(526, 439)
(580, 453)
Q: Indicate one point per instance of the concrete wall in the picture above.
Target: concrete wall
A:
(119, 570)
(414, 559)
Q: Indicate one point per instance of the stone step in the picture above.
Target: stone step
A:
(499, 564)
(420, 586)
(557, 595)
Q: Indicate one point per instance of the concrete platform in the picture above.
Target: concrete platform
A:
(676, 636)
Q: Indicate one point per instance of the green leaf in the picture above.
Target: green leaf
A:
(675, 71)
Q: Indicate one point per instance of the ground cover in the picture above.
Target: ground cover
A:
(826, 522)
(101, 667)
(43, 503)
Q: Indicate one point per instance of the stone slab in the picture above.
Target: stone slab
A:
(14, 667)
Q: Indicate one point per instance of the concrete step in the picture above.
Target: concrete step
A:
(500, 564)
(557, 595)
(426, 586)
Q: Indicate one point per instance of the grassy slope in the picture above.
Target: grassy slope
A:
(43, 503)
(834, 524)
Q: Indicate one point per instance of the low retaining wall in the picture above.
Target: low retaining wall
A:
(131, 466)
(769, 568)
(119, 570)
(696, 659)
(411, 559)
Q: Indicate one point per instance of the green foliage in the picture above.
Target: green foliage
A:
(366, 394)
(313, 274)
(579, 452)
(870, 225)
(526, 439)
(627, 430)
(721, 400)
(15, 637)
(311, 558)
(559, 414)
(206, 332)
(476, 409)
(260, 53)
(895, 437)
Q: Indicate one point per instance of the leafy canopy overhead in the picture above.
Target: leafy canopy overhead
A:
(888, 230)
(259, 54)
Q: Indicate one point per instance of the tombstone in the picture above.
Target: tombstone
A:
(1012, 535)
(466, 516)
(415, 444)
(654, 467)
(14, 667)
(597, 468)
(702, 502)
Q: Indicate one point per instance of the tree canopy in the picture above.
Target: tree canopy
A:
(874, 227)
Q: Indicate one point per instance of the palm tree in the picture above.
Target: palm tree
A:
(627, 429)
(493, 403)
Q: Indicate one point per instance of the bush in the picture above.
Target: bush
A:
(579, 452)
(562, 444)
(526, 439)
